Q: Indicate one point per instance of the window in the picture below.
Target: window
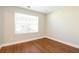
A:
(25, 23)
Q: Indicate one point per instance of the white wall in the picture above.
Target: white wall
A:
(1, 25)
(63, 24)
(9, 35)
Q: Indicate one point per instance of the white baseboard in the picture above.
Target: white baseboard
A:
(67, 43)
(26, 40)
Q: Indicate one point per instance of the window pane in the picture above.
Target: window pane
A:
(25, 23)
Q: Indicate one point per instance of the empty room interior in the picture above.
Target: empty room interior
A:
(39, 29)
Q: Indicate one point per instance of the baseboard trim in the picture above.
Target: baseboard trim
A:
(13, 43)
(67, 43)
(26, 40)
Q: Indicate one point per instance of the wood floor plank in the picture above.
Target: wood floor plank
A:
(43, 45)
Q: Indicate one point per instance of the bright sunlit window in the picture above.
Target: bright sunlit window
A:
(25, 23)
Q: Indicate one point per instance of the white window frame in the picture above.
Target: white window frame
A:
(29, 20)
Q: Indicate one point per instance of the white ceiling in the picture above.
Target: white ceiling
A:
(42, 9)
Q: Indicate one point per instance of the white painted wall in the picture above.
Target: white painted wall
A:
(1, 29)
(63, 24)
(1, 25)
(9, 35)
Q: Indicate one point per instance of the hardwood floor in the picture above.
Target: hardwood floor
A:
(40, 46)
